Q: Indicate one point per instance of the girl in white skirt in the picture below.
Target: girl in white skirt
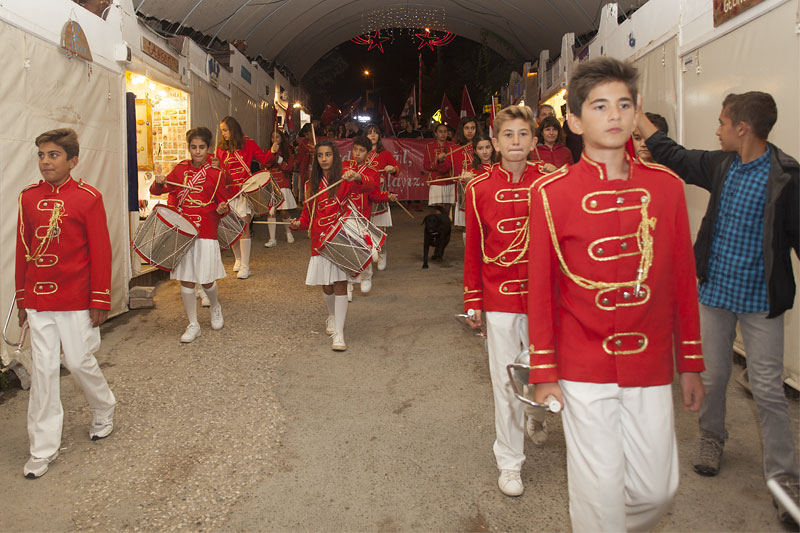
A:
(280, 169)
(202, 203)
(382, 162)
(319, 215)
(235, 152)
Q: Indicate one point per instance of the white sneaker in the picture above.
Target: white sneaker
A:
(237, 264)
(191, 333)
(289, 237)
(272, 243)
(382, 261)
(537, 431)
(102, 426)
(510, 483)
(349, 293)
(338, 343)
(36, 467)
(330, 325)
(204, 301)
(216, 317)
(366, 286)
(244, 273)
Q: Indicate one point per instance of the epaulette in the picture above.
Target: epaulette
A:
(656, 166)
(88, 188)
(31, 186)
(547, 179)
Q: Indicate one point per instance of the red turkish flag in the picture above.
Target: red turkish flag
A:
(410, 107)
(466, 104)
(330, 113)
(449, 115)
(289, 121)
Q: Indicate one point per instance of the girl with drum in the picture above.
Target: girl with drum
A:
(481, 162)
(280, 169)
(458, 161)
(235, 152)
(382, 162)
(198, 191)
(319, 216)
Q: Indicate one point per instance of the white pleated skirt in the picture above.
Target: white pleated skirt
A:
(442, 194)
(241, 206)
(382, 220)
(201, 264)
(322, 271)
(288, 200)
(460, 218)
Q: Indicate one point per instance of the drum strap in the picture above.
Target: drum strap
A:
(196, 180)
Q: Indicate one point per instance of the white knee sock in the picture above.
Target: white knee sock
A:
(288, 230)
(330, 300)
(271, 228)
(213, 294)
(341, 313)
(235, 249)
(189, 303)
(245, 249)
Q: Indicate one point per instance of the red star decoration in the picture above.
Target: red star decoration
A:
(377, 40)
(427, 39)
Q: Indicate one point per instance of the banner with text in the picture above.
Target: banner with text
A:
(411, 182)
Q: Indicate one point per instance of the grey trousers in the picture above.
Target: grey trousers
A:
(763, 340)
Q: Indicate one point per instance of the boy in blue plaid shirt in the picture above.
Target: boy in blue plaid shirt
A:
(744, 270)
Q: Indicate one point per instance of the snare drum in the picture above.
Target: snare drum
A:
(230, 228)
(164, 237)
(352, 242)
(461, 187)
(262, 193)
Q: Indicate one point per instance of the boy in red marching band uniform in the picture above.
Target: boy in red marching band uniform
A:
(383, 162)
(612, 296)
(202, 264)
(63, 290)
(320, 214)
(440, 193)
(280, 169)
(496, 276)
(235, 152)
(365, 199)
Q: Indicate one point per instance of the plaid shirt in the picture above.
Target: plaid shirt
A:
(736, 276)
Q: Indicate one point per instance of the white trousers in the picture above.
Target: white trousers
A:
(622, 458)
(507, 335)
(52, 331)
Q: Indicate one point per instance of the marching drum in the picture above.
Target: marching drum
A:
(230, 228)
(262, 193)
(352, 242)
(461, 187)
(164, 237)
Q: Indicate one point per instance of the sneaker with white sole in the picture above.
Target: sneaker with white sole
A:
(366, 286)
(537, 431)
(204, 301)
(272, 243)
(338, 344)
(244, 273)
(216, 317)
(191, 333)
(510, 483)
(37, 467)
(382, 261)
(237, 265)
(289, 237)
(102, 426)
(330, 325)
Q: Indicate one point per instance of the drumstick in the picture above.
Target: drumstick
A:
(451, 178)
(404, 209)
(448, 154)
(268, 222)
(536, 148)
(183, 185)
(324, 190)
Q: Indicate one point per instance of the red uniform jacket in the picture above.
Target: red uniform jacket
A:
(322, 212)
(438, 170)
(590, 237)
(237, 163)
(369, 191)
(377, 162)
(559, 155)
(281, 171)
(63, 257)
(198, 206)
(460, 162)
(496, 252)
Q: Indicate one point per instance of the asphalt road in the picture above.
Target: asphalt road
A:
(261, 427)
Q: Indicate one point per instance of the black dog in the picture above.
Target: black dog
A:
(437, 234)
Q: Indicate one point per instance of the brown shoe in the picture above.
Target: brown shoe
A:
(709, 454)
(791, 486)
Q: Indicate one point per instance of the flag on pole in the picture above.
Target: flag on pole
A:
(387, 124)
(448, 113)
(289, 121)
(350, 107)
(491, 119)
(466, 104)
(330, 113)
(410, 107)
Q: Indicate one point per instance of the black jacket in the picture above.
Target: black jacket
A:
(708, 169)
